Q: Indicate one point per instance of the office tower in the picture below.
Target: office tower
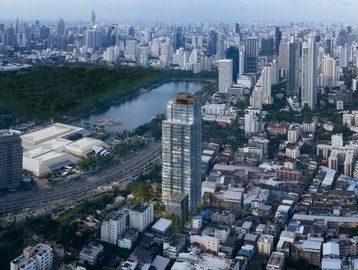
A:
(283, 55)
(131, 50)
(220, 48)
(93, 18)
(251, 55)
(328, 46)
(225, 75)
(343, 55)
(256, 99)
(2, 35)
(61, 27)
(10, 159)
(131, 31)
(178, 39)
(237, 29)
(233, 53)
(309, 73)
(293, 70)
(93, 38)
(342, 38)
(10, 36)
(266, 46)
(212, 43)
(278, 37)
(349, 29)
(144, 57)
(44, 32)
(329, 72)
(181, 149)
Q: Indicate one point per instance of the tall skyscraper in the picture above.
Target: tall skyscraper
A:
(233, 53)
(267, 46)
(93, 18)
(328, 46)
(293, 70)
(181, 149)
(278, 37)
(329, 72)
(225, 74)
(283, 55)
(251, 55)
(61, 27)
(10, 159)
(212, 42)
(178, 39)
(237, 28)
(309, 73)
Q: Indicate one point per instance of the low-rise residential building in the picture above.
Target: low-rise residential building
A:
(175, 244)
(39, 257)
(128, 238)
(276, 261)
(265, 244)
(91, 252)
(207, 243)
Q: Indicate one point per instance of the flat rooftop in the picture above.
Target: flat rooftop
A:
(54, 131)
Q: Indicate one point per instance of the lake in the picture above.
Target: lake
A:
(139, 109)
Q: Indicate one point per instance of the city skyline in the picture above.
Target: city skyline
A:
(147, 10)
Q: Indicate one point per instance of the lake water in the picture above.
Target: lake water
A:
(140, 109)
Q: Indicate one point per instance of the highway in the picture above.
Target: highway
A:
(74, 191)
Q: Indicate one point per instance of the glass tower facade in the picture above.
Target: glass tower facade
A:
(181, 149)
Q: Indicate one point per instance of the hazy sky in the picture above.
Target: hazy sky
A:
(184, 10)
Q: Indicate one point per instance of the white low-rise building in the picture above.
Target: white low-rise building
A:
(91, 252)
(39, 257)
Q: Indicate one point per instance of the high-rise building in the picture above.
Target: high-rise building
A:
(93, 38)
(278, 37)
(293, 70)
(328, 46)
(329, 72)
(178, 39)
(93, 18)
(237, 28)
(251, 123)
(61, 27)
(10, 159)
(233, 53)
(212, 42)
(181, 149)
(283, 55)
(267, 46)
(309, 73)
(343, 56)
(131, 50)
(251, 55)
(225, 74)
(256, 99)
(267, 78)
